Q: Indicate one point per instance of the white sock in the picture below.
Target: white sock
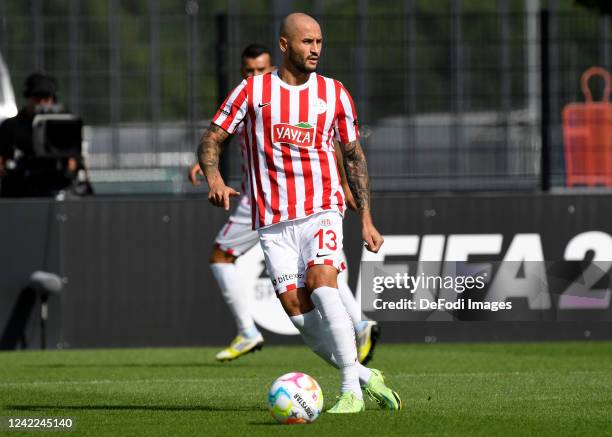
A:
(349, 301)
(364, 374)
(313, 334)
(316, 338)
(233, 294)
(341, 336)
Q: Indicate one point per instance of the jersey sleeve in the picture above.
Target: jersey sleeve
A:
(233, 109)
(346, 126)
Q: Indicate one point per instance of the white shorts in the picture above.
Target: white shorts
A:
(237, 235)
(291, 247)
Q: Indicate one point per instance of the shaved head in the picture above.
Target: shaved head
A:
(300, 42)
(295, 22)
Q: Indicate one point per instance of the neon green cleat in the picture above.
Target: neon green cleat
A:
(386, 398)
(366, 341)
(240, 346)
(347, 404)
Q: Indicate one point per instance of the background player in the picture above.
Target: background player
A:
(296, 199)
(237, 237)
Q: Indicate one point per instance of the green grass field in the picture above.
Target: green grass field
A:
(464, 389)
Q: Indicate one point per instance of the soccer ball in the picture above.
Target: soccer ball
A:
(295, 398)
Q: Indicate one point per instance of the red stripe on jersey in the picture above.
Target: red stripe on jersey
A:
(340, 115)
(305, 157)
(267, 133)
(325, 175)
(339, 200)
(290, 287)
(237, 103)
(247, 150)
(254, 165)
(330, 133)
(285, 104)
(354, 114)
(333, 166)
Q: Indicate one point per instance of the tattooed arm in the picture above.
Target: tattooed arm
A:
(356, 168)
(209, 151)
(348, 196)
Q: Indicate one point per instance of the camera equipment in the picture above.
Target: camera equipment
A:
(56, 135)
(56, 143)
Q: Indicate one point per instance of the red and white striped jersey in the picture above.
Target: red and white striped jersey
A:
(289, 132)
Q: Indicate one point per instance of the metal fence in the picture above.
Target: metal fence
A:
(448, 98)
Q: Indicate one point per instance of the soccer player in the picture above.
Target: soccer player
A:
(290, 119)
(237, 237)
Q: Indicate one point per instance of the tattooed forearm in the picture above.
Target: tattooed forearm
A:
(357, 174)
(209, 151)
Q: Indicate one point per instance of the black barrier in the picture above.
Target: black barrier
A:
(137, 272)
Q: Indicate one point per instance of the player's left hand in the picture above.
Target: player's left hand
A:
(371, 237)
(194, 171)
(219, 195)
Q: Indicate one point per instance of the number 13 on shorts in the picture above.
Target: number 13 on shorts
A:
(324, 246)
(327, 239)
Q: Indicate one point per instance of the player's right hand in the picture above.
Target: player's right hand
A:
(372, 239)
(219, 195)
(194, 171)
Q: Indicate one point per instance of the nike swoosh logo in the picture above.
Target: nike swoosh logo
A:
(325, 254)
(262, 105)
